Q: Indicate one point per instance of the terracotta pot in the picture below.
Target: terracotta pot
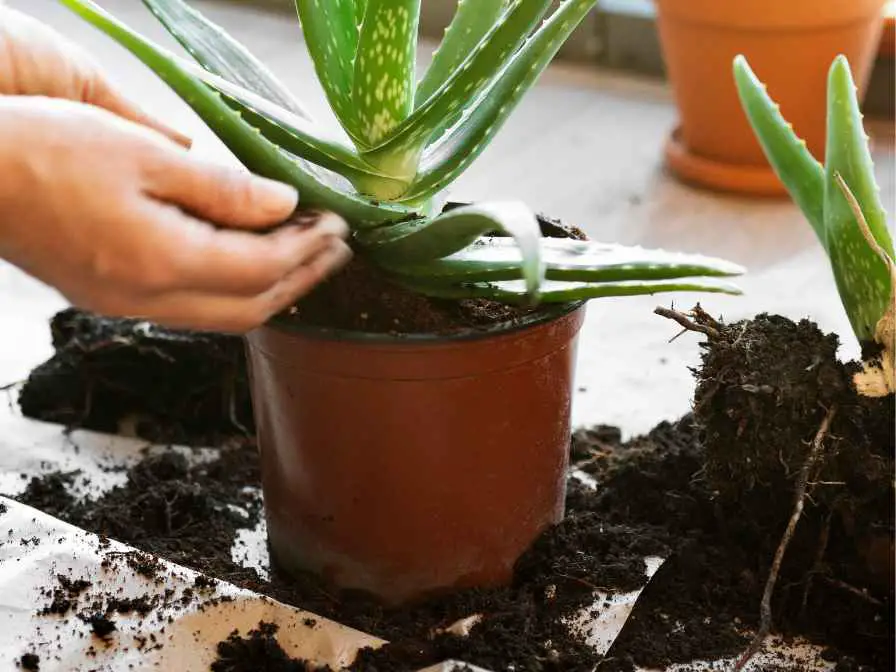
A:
(406, 466)
(888, 39)
(790, 44)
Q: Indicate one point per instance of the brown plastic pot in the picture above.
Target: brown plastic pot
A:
(790, 44)
(411, 465)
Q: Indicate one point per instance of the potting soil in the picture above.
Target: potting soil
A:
(652, 498)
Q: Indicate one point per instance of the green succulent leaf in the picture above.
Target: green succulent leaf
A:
(384, 76)
(455, 152)
(294, 134)
(472, 21)
(499, 258)
(331, 35)
(554, 291)
(862, 277)
(801, 173)
(488, 59)
(428, 240)
(220, 53)
(254, 151)
(360, 11)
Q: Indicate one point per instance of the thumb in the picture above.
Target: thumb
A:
(102, 94)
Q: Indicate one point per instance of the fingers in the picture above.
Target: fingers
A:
(202, 258)
(219, 194)
(102, 94)
(214, 312)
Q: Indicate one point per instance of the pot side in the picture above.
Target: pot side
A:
(789, 44)
(407, 467)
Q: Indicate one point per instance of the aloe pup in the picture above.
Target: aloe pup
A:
(407, 138)
(841, 201)
(790, 432)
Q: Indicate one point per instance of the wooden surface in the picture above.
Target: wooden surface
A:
(584, 146)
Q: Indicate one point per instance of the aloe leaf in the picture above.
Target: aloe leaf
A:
(863, 279)
(296, 136)
(792, 161)
(331, 35)
(309, 135)
(472, 21)
(499, 258)
(384, 77)
(220, 53)
(422, 241)
(454, 153)
(360, 11)
(255, 152)
(488, 58)
(554, 291)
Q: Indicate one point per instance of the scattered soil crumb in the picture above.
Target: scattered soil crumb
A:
(257, 651)
(30, 662)
(101, 626)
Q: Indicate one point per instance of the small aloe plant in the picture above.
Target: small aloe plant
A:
(406, 140)
(841, 201)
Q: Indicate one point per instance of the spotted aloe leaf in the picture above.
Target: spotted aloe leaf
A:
(801, 173)
(296, 134)
(360, 11)
(331, 35)
(863, 278)
(499, 258)
(558, 291)
(293, 133)
(488, 59)
(385, 75)
(454, 153)
(472, 22)
(220, 53)
(254, 151)
(427, 241)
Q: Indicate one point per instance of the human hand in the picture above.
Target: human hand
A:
(35, 60)
(109, 213)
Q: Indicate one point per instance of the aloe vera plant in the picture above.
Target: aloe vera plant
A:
(407, 138)
(841, 200)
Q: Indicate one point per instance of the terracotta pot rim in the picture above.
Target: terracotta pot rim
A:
(795, 17)
(543, 315)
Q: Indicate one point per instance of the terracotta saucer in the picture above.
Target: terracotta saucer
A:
(704, 172)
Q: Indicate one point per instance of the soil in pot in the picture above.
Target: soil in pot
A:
(361, 298)
(653, 497)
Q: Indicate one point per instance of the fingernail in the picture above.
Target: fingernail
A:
(282, 196)
(332, 224)
(184, 141)
(338, 257)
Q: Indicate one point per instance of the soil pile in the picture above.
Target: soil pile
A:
(655, 496)
(172, 386)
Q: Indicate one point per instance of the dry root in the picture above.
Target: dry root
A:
(697, 320)
(800, 494)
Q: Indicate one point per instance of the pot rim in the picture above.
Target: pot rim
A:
(544, 314)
